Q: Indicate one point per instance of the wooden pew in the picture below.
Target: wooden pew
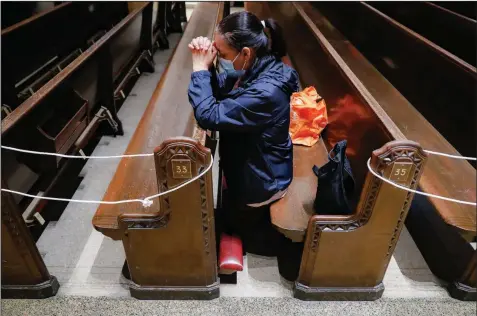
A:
(437, 83)
(33, 46)
(444, 239)
(98, 76)
(170, 246)
(453, 32)
(24, 274)
(467, 9)
(88, 85)
(367, 110)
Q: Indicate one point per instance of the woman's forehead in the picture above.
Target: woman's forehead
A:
(221, 44)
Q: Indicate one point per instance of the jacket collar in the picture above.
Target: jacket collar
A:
(260, 66)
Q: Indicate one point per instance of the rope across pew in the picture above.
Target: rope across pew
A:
(147, 201)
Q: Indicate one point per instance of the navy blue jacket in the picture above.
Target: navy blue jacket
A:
(253, 120)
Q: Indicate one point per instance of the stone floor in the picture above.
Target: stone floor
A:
(88, 265)
(225, 306)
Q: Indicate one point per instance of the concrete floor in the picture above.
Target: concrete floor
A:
(88, 265)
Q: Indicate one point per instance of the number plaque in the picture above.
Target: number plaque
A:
(181, 169)
(401, 173)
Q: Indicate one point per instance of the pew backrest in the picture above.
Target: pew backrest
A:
(95, 60)
(366, 109)
(50, 36)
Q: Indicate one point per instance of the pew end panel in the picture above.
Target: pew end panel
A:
(346, 257)
(24, 274)
(167, 256)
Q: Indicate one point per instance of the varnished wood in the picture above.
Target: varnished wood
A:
(41, 35)
(24, 274)
(183, 228)
(91, 78)
(367, 110)
(404, 121)
(449, 255)
(33, 18)
(400, 118)
(291, 214)
(343, 251)
(453, 32)
(168, 114)
(170, 246)
(27, 106)
(463, 8)
(428, 76)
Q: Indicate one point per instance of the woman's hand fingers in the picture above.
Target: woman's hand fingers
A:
(201, 43)
(203, 53)
(207, 44)
(195, 43)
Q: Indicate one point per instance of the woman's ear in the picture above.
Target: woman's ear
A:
(247, 53)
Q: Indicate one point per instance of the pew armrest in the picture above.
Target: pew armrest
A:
(290, 215)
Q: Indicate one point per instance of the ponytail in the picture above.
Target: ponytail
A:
(277, 46)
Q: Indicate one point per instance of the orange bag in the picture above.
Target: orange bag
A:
(308, 117)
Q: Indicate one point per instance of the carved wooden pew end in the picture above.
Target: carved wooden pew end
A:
(24, 274)
(346, 257)
(170, 250)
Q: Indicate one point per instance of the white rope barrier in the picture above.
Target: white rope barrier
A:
(415, 191)
(449, 156)
(146, 202)
(33, 152)
(72, 156)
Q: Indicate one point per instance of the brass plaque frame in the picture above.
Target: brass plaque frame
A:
(181, 168)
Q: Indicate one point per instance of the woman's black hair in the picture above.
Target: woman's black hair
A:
(244, 29)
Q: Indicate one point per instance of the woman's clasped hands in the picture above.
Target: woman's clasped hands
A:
(203, 53)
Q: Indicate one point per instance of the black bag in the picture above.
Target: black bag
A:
(335, 183)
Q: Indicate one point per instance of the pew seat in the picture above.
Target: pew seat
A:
(290, 215)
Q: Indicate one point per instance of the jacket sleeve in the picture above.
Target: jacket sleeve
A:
(250, 111)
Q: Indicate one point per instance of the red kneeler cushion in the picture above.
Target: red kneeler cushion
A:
(230, 254)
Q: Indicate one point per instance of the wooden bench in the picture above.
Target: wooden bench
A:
(453, 32)
(88, 85)
(170, 246)
(438, 84)
(367, 110)
(467, 9)
(34, 46)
